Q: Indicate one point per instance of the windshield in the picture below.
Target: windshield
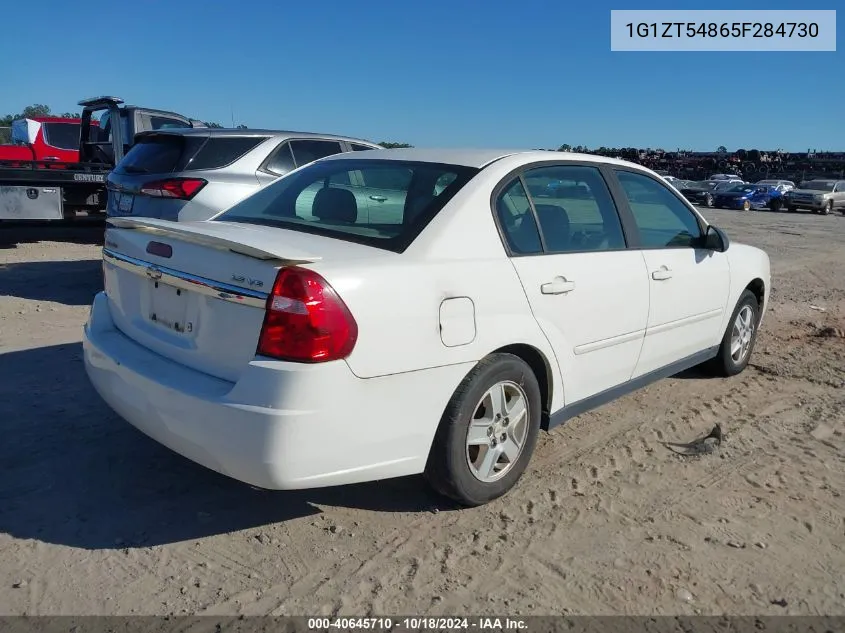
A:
(818, 185)
(382, 203)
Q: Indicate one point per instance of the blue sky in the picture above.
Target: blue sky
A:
(434, 72)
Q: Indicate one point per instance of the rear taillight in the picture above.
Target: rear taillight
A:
(306, 320)
(179, 188)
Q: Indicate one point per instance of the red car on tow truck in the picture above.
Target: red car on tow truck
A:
(44, 138)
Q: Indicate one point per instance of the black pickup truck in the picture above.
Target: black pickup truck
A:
(52, 190)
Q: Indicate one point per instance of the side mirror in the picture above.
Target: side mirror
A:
(715, 239)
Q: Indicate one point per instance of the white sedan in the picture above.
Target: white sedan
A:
(407, 311)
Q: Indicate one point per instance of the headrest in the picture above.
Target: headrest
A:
(554, 221)
(335, 205)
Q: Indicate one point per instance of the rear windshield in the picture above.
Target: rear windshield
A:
(62, 135)
(168, 153)
(381, 203)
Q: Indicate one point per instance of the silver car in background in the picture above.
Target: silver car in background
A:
(781, 185)
(193, 174)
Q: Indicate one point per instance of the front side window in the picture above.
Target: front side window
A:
(382, 203)
(662, 219)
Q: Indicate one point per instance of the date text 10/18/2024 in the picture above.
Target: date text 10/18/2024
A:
(718, 30)
(421, 623)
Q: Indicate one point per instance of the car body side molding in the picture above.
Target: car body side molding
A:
(609, 395)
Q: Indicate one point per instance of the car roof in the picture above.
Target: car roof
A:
(478, 158)
(247, 132)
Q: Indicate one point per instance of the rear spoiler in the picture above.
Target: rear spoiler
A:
(210, 234)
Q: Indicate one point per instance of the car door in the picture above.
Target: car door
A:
(381, 191)
(588, 292)
(689, 285)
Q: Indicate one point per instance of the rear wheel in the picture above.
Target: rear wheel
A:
(775, 205)
(708, 201)
(827, 208)
(746, 206)
(487, 433)
(739, 338)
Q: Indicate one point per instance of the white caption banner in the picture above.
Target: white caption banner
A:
(746, 30)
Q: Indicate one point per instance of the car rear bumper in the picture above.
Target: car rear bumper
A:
(282, 425)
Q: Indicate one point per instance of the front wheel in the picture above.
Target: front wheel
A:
(739, 338)
(775, 205)
(827, 208)
(746, 206)
(708, 201)
(487, 433)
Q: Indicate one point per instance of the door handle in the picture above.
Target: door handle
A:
(559, 286)
(661, 274)
(378, 198)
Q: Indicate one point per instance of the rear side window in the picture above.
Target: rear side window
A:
(220, 151)
(62, 135)
(574, 208)
(280, 161)
(340, 198)
(513, 211)
(308, 150)
(360, 148)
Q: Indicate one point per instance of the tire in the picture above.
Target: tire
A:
(725, 364)
(746, 206)
(449, 470)
(826, 209)
(775, 205)
(708, 201)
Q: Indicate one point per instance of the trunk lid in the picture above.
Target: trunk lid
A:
(195, 292)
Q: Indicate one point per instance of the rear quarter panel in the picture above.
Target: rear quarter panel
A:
(221, 192)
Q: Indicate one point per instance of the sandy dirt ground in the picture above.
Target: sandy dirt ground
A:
(97, 519)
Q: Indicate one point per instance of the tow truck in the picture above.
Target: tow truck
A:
(59, 190)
